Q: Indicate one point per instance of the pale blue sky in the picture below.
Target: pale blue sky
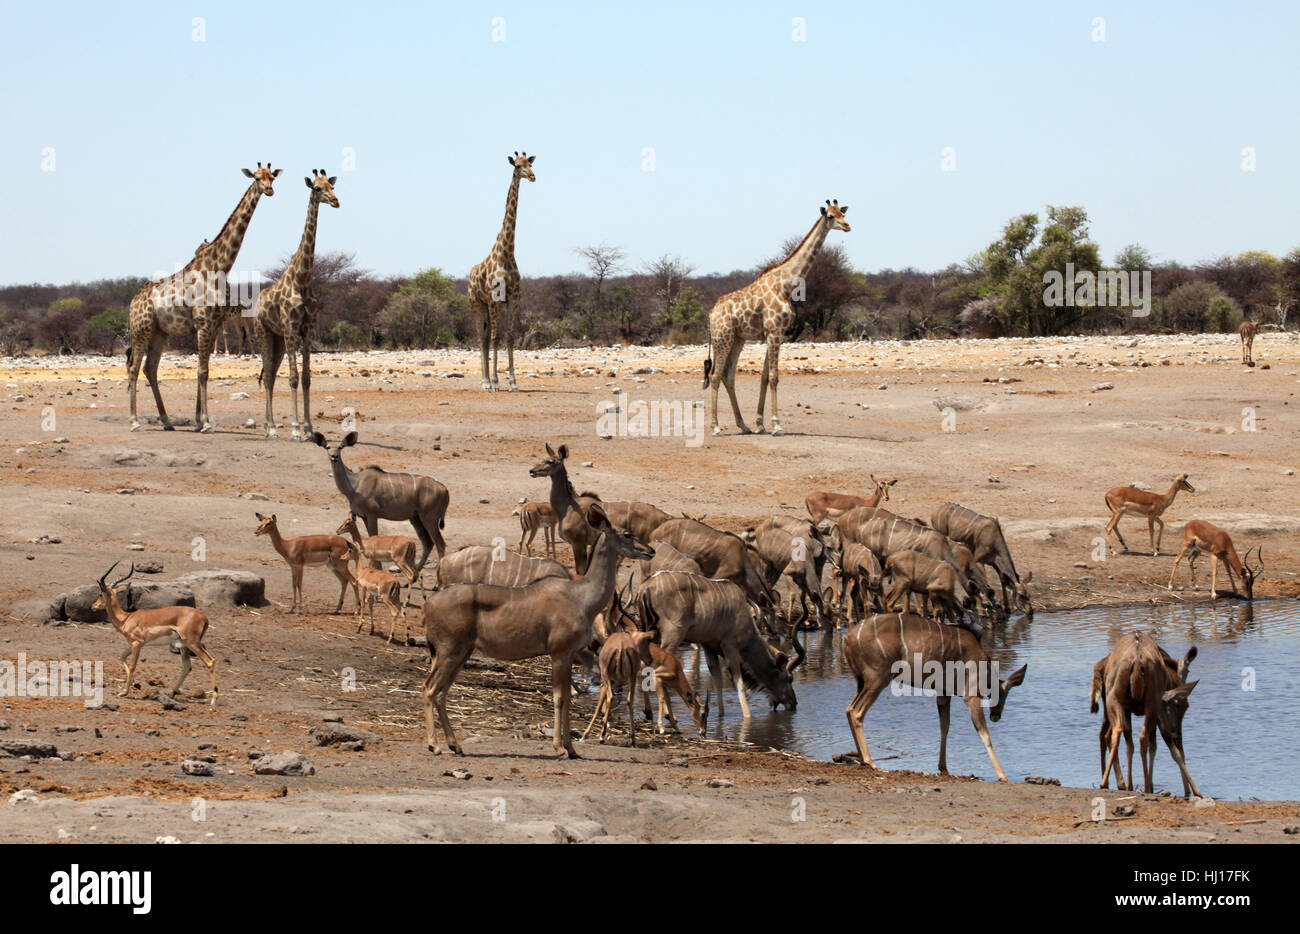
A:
(750, 129)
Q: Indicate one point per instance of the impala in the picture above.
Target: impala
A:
(1127, 500)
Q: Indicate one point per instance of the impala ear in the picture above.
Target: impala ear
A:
(260, 517)
(350, 440)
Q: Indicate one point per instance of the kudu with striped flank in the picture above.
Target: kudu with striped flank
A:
(641, 519)
(924, 654)
(822, 506)
(486, 564)
(1128, 500)
(937, 583)
(1200, 536)
(983, 536)
(779, 554)
(1139, 677)
(141, 627)
(721, 555)
(373, 494)
(717, 615)
(860, 578)
(548, 617)
(668, 558)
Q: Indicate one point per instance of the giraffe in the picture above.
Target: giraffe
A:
(192, 300)
(243, 331)
(763, 310)
(494, 283)
(286, 314)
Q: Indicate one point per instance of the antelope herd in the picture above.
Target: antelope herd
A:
(690, 584)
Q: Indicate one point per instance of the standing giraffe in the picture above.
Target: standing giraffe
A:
(1248, 330)
(192, 300)
(494, 283)
(286, 314)
(763, 309)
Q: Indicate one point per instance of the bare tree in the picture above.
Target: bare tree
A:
(603, 261)
(667, 274)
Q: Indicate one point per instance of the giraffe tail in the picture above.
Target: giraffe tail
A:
(708, 362)
(128, 356)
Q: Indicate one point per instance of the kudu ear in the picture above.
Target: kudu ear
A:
(350, 440)
(1016, 677)
(564, 452)
(1181, 691)
(319, 438)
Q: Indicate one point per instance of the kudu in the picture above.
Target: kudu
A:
(983, 536)
(641, 519)
(924, 654)
(1138, 677)
(823, 506)
(141, 627)
(622, 658)
(484, 564)
(861, 579)
(716, 615)
(669, 675)
(1128, 500)
(668, 558)
(1199, 536)
(313, 550)
(571, 513)
(780, 554)
(548, 617)
(721, 555)
(373, 494)
(937, 582)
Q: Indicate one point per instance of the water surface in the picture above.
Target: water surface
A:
(1240, 742)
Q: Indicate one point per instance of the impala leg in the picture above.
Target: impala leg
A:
(1174, 569)
(185, 670)
(210, 663)
(1160, 534)
(982, 728)
(631, 696)
(600, 703)
(130, 668)
(1214, 576)
(945, 708)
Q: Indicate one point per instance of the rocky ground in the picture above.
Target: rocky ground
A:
(1034, 431)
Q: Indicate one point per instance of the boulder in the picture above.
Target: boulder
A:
(225, 588)
(284, 763)
(147, 595)
(331, 734)
(77, 603)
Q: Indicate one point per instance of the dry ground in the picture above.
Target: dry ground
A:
(1015, 428)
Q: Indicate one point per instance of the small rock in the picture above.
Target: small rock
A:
(1041, 780)
(126, 491)
(721, 783)
(284, 763)
(237, 396)
(196, 767)
(1203, 803)
(1125, 810)
(332, 734)
(649, 785)
(167, 839)
(1101, 387)
(993, 479)
(458, 774)
(26, 796)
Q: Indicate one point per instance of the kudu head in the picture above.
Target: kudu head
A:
(108, 595)
(1023, 603)
(335, 451)
(553, 464)
(1004, 688)
(620, 540)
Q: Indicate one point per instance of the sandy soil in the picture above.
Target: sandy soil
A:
(1014, 428)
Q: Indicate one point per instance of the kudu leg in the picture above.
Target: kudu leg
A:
(561, 691)
(868, 691)
(977, 717)
(945, 709)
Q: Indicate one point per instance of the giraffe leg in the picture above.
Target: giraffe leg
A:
(510, 346)
(156, 343)
(205, 337)
(291, 351)
(306, 384)
(759, 427)
(494, 338)
(773, 363)
(139, 347)
(729, 380)
(482, 311)
(272, 354)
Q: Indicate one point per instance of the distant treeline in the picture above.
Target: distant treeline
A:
(999, 291)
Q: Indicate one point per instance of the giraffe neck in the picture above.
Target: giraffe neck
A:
(505, 245)
(300, 266)
(221, 254)
(798, 262)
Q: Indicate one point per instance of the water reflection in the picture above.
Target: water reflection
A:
(1241, 733)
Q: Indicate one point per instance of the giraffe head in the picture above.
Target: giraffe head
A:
(523, 165)
(264, 177)
(835, 214)
(322, 188)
